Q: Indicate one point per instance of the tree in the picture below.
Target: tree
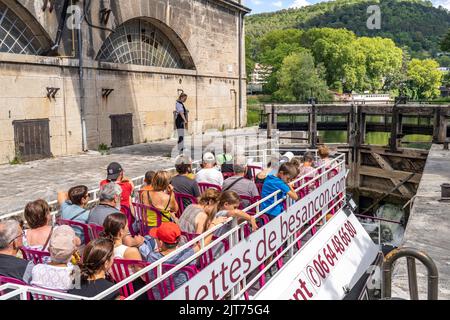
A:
(445, 43)
(424, 79)
(249, 62)
(299, 79)
(274, 47)
(383, 59)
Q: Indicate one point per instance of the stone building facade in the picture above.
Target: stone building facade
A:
(136, 57)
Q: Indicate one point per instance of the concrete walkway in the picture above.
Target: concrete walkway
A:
(428, 228)
(43, 179)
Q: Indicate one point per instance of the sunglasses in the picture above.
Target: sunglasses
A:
(20, 235)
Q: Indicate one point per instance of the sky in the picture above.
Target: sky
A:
(259, 6)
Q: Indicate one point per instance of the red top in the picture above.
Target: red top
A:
(127, 190)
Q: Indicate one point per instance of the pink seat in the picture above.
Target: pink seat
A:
(77, 225)
(122, 269)
(130, 218)
(95, 231)
(253, 170)
(183, 201)
(5, 280)
(259, 186)
(203, 186)
(166, 287)
(37, 256)
(208, 257)
(141, 215)
(35, 296)
(227, 175)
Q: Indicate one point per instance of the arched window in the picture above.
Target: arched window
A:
(140, 42)
(15, 35)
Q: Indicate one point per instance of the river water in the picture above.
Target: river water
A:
(378, 138)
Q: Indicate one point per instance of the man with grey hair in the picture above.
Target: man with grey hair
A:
(110, 195)
(10, 241)
(239, 184)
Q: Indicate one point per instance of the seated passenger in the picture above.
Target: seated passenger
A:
(37, 215)
(98, 257)
(228, 207)
(282, 181)
(73, 206)
(116, 228)
(58, 272)
(162, 198)
(147, 183)
(115, 174)
(225, 160)
(209, 173)
(195, 216)
(168, 237)
(109, 197)
(183, 182)
(325, 160)
(239, 184)
(10, 241)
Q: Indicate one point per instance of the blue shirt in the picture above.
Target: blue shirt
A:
(271, 185)
(70, 211)
(179, 107)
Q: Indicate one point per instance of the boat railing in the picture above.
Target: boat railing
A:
(235, 235)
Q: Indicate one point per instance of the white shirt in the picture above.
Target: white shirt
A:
(52, 277)
(119, 252)
(211, 175)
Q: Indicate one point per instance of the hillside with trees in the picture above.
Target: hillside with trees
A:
(314, 60)
(414, 24)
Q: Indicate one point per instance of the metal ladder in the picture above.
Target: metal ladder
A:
(411, 255)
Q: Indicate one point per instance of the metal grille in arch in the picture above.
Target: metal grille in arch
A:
(15, 35)
(140, 42)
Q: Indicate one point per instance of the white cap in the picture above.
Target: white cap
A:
(208, 157)
(289, 155)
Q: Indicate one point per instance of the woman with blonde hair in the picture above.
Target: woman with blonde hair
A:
(162, 198)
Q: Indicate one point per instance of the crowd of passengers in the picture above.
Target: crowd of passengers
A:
(120, 237)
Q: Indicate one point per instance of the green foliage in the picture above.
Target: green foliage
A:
(17, 159)
(103, 149)
(299, 79)
(445, 43)
(415, 24)
(423, 79)
(444, 61)
(253, 117)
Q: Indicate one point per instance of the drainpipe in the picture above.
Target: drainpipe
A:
(240, 33)
(82, 91)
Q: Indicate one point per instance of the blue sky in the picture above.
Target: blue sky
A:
(258, 6)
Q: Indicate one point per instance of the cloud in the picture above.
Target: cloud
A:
(256, 2)
(444, 3)
(301, 3)
(278, 4)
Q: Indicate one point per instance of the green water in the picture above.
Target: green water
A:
(380, 138)
(373, 138)
(417, 141)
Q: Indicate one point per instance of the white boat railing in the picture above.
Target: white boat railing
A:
(321, 174)
(54, 206)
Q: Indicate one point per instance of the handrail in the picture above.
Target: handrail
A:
(93, 197)
(411, 254)
(336, 163)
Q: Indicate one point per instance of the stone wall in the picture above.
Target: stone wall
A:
(209, 33)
